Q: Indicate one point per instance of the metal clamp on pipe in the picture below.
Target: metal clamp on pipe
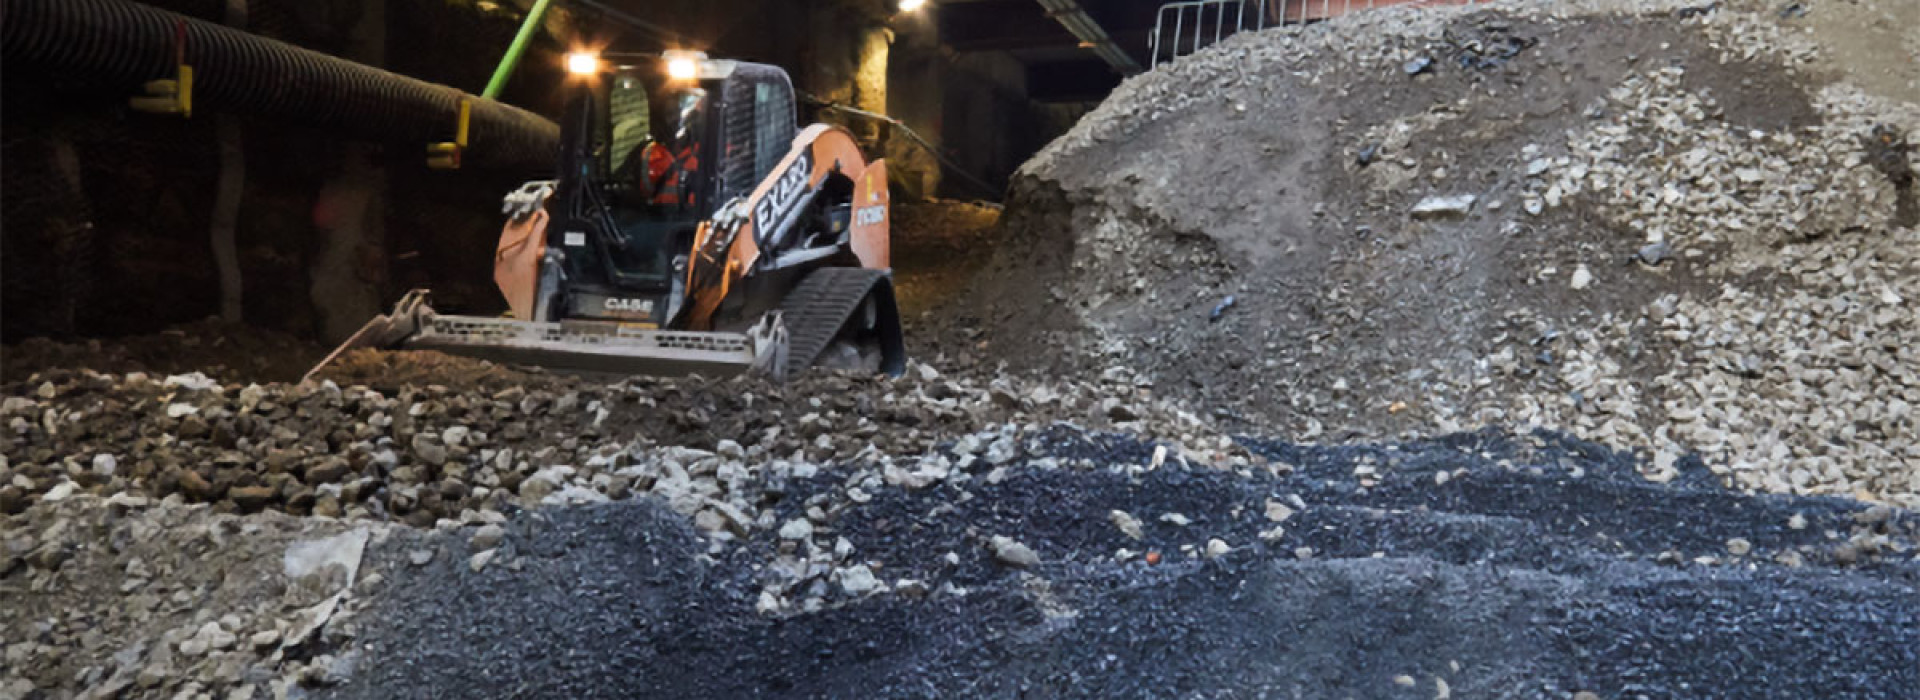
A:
(446, 154)
(174, 96)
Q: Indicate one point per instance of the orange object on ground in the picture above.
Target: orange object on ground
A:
(516, 262)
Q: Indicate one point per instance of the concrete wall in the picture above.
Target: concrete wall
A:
(972, 107)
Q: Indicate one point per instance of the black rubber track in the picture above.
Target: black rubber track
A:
(821, 304)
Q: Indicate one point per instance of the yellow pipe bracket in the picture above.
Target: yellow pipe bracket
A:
(167, 96)
(446, 155)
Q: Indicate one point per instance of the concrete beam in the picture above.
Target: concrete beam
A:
(1071, 15)
(1071, 81)
(998, 25)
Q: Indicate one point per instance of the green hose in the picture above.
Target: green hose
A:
(519, 46)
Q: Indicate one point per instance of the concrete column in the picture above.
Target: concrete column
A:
(845, 62)
(916, 70)
(227, 192)
(870, 85)
(351, 264)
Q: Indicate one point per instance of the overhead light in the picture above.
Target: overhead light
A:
(912, 5)
(583, 63)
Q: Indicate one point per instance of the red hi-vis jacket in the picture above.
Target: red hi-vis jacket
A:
(672, 190)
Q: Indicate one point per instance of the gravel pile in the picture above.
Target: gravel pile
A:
(1805, 387)
(1668, 164)
(1661, 226)
(127, 596)
(461, 437)
(172, 496)
(1794, 372)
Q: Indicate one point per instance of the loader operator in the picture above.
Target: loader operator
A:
(667, 173)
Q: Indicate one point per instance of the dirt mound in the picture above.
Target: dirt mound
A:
(1422, 220)
(937, 246)
(232, 352)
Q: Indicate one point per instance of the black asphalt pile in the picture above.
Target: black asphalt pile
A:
(1650, 224)
(1539, 566)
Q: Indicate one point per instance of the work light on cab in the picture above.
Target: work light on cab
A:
(683, 65)
(583, 63)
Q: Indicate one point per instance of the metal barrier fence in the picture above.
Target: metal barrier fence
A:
(1184, 27)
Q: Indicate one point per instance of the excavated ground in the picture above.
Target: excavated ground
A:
(1471, 453)
(1481, 564)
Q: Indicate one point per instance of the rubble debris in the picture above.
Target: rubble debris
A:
(1127, 523)
(1220, 309)
(1654, 253)
(1581, 279)
(1453, 206)
(487, 537)
(1011, 552)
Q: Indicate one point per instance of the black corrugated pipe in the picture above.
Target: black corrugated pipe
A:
(120, 45)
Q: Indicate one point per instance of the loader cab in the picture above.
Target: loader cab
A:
(655, 171)
(651, 150)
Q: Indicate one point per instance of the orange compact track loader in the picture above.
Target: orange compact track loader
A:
(691, 227)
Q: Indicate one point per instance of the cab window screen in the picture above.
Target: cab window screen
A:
(768, 110)
(627, 112)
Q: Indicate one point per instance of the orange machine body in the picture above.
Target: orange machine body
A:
(728, 247)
